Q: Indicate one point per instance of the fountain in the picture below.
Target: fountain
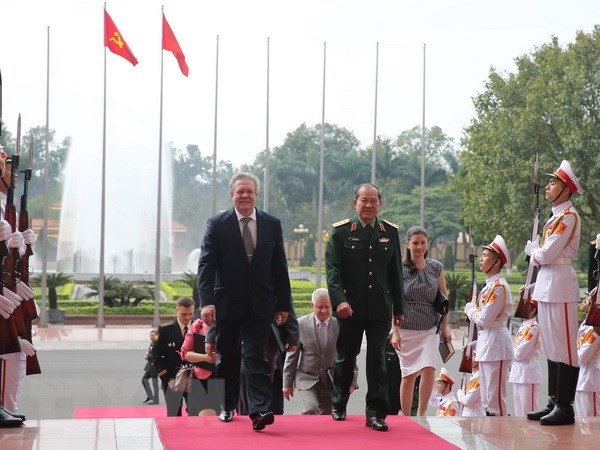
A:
(130, 215)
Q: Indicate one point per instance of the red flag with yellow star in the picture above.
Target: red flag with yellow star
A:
(115, 42)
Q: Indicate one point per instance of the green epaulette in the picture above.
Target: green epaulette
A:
(341, 222)
(165, 324)
(390, 223)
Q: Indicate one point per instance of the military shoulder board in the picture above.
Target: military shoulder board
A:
(390, 223)
(341, 222)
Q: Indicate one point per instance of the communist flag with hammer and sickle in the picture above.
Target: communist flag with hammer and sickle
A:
(115, 42)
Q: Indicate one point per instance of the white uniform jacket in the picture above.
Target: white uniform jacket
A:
(526, 367)
(588, 351)
(470, 398)
(556, 280)
(491, 313)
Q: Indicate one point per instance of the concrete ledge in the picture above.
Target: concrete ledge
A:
(90, 319)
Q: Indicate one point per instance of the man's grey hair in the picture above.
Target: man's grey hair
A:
(244, 176)
(319, 293)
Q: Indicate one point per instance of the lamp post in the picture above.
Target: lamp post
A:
(301, 231)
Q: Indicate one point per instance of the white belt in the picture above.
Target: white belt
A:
(496, 324)
(562, 261)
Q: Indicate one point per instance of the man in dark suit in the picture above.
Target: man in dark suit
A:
(166, 351)
(243, 284)
(364, 279)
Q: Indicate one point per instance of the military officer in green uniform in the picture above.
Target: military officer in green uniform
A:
(364, 279)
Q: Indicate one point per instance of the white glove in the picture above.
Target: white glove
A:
(27, 347)
(29, 236)
(12, 297)
(598, 241)
(24, 291)
(468, 307)
(5, 230)
(532, 246)
(6, 307)
(15, 240)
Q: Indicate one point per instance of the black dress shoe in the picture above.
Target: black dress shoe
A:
(338, 414)
(8, 421)
(226, 415)
(376, 423)
(147, 400)
(260, 420)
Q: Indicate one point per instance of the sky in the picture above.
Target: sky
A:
(463, 39)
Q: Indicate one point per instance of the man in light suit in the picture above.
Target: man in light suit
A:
(307, 367)
(243, 284)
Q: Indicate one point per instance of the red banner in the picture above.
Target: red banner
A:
(169, 43)
(115, 42)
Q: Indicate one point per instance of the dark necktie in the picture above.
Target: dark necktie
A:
(185, 330)
(368, 231)
(247, 237)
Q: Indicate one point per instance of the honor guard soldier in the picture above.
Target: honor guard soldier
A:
(525, 373)
(470, 397)
(557, 293)
(444, 400)
(364, 280)
(490, 313)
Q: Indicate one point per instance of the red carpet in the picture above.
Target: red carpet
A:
(294, 432)
(125, 412)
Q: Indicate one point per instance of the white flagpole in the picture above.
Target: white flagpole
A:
(267, 152)
(156, 319)
(214, 172)
(422, 214)
(318, 232)
(43, 323)
(374, 150)
(100, 323)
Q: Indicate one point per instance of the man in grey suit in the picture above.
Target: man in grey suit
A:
(307, 368)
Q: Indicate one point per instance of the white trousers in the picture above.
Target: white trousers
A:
(558, 329)
(13, 372)
(587, 404)
(493, 376)
(525, 398)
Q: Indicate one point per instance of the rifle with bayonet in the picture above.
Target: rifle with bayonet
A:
(466, 363)
(30, 312)
(10, 274)
(524, 304)
(9, 338)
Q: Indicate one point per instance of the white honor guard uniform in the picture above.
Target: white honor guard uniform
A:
(557, 293)
(494, 345)
(525, 373)
(470, 397)
(446, 404)
(587, 397)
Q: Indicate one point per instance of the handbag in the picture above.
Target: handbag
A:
(441, 304)
(183, 379)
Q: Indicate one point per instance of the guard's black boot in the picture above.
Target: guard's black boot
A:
(563, 413)
(552, 382)
(7, 420)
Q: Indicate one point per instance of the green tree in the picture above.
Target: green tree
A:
(53, 282)
(111, 286)
(448, 259)
(549, 106)
(191, 279)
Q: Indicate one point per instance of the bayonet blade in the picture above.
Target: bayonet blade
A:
(18, 142)
(30, 152)
(536, 165)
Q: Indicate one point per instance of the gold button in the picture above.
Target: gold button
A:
(370, 286)
(370, 260)
(370, 247)
(370, 273)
